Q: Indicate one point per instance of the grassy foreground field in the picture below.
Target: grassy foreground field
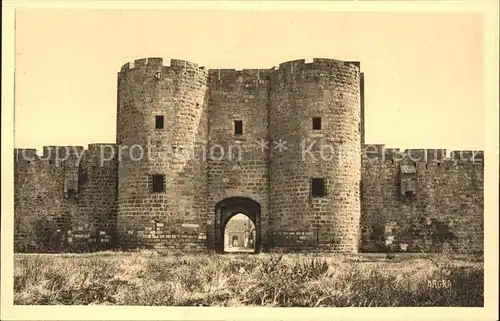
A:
(153, 278)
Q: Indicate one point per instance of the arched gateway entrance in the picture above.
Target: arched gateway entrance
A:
(229, 207)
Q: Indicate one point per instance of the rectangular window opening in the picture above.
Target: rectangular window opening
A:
(71, 193)
(409, 194)
(316, 123)
(158, 183)
(238, 127)
(159, 122)
(318, 187)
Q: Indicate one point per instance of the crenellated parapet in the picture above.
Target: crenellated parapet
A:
(55, 156)
(319, 64)
(379, 154)
(66, 156)
(225, 78)
(318, 70)
(157, 62)
(154, 69)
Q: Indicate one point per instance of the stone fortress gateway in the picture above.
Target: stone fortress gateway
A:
(284, 146)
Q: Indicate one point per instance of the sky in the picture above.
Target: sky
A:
(424, 77)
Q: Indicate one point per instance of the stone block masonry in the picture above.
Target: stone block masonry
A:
(422, 201)
(283, 145)
(64, 200)
(165, 106)
(328, 90)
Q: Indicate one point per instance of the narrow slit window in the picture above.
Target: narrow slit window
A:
(159, 122)
(238, 127)
(316, 122)
(318, 187)
(158, 183)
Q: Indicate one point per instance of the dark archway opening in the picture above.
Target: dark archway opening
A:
(230, 207)
(239, 235)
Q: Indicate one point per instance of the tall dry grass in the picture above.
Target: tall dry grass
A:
(153, 278)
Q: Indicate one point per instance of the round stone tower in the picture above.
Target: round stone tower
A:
(161, 135)
(314, 128)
